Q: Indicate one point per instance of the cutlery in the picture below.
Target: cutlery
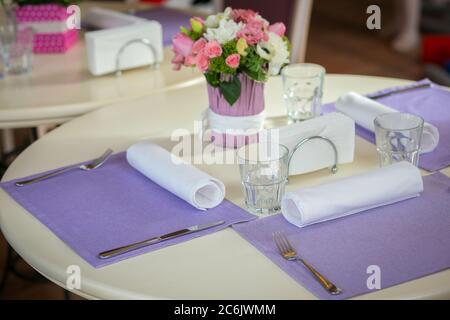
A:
(154, 240)
(288, 253)
(94, 164)
(386, 94)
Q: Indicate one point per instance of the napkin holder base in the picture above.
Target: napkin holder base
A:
(301, 143)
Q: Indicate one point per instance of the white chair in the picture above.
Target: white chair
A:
(297, 22)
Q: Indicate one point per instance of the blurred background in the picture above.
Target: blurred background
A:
(413, 43)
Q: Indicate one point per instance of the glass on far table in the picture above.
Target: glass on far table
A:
(398, 137)
(18, 54)
(8, 28)
(264, 174)
(303, 86)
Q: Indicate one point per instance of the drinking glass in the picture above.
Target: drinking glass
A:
(303, 86)
(398, 137)
(264, 174)
(8, 30)
(20, 52)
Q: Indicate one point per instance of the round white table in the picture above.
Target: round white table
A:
(60, 86)
(218, 266)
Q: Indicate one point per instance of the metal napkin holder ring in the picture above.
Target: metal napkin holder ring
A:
(334, 168)
(145, 42)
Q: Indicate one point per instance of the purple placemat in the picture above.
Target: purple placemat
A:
(170, 19)
(112, 206)
(432, 104)
(407, 240)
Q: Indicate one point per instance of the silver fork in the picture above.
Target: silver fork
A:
(94, 164)
(288, 253)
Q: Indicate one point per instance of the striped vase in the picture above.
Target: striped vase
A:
(250, 102)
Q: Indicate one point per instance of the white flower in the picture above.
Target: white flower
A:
(226, 31)
(265, 50)
(275, 51)
(213, 20)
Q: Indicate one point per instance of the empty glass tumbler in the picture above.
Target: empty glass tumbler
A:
(398, 137)
(264, 174)
(8, 30)
(303, 87)
(17, 53)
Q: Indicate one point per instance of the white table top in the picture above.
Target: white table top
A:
(217, 266)
(60, 86)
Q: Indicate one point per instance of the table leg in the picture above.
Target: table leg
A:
(9, 151)
(8, 142)
(4, 276)
(13, 260)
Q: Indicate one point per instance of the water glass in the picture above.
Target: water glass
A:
(264, 174)
(303, 87)
(8, 28)
(18, 54)
(398, 137)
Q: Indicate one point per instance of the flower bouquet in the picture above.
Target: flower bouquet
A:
(236, 50)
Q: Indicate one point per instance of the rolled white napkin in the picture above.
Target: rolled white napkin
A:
(318, 154)
(351, 195)
(173, 174)
(364, 111)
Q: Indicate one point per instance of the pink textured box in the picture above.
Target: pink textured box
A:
(50, 24)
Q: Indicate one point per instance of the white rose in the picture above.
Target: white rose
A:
(265, 50)
(226, 31)
(275, 51)
(213, 20)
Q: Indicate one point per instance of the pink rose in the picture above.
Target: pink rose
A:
(177, 61)
(190, 60)
(242, 15)
(202, 62)
(182, 44)
(213, 49)
(199, 45)
(254, 31)
(279, 28)
(258, 24)
(252, 36)
(233, 60)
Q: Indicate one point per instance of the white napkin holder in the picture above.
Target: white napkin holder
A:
(126, 42)
(322, 142)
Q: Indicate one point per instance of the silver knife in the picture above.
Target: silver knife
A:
(165, 237)
(386, 94)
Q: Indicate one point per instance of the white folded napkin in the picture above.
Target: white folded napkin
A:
(364, 111)
(317, 154)
(351, 195)
(173, 174)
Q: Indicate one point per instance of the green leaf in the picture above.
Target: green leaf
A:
(213, 78)
(231, 90)
(185, 31)
(253, 65)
